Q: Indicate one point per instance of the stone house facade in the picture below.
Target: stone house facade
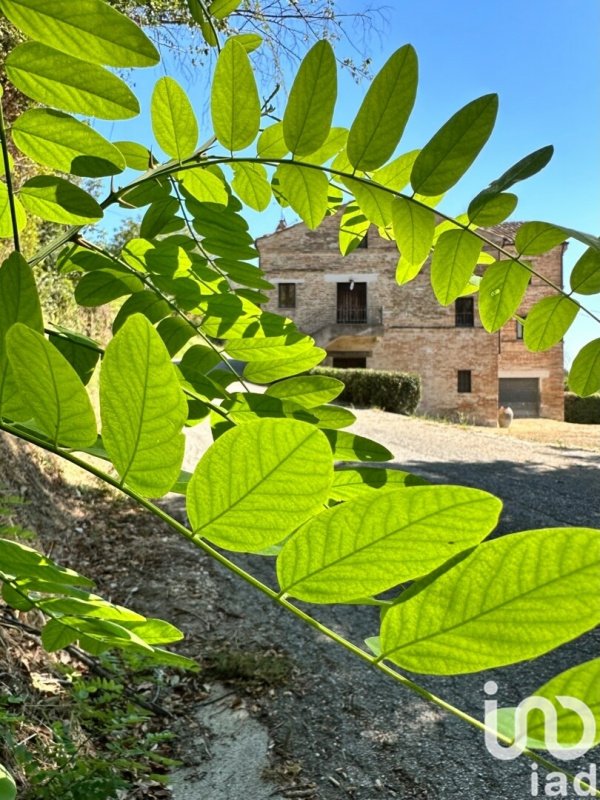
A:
(353, 307)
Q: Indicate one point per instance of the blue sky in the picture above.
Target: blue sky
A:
(543, 59)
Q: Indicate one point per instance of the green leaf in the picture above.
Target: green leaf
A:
(69, 84)
(143, 409)
(175, 333)
(286, 478)
(535, 238)
(104, 285)
(525, 168)
(384, 112)
(19, 302)
(59, 141)
(81, 352)
(350, 447)
(50, 388)
(413, 227)
(22, 561)
(336, 141)
(203, 186)
(251, 185)
(8, 787)
(353, 228)
(454, 260)
(584, 376)
(501, 291)
(491, 209)
(273, 357)
(309, 111)
(55, 636)
(396, 174)
(308, 391)
(585, 278)
(57, 200)
(249, 41)
(361, 481)
(234, 101)
(452, 150)
(136, 155)
(6, 228)
(219, 9)
(161, 218)
(271, 143)
(405, 271)
(581, 683)
(92, 30)
(368, 545)
(173, 120)
(548, 321)
(376, 204)
(144, 302)
(306, 191)
(493, 602)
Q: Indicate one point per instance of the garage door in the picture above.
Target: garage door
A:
(522, 395)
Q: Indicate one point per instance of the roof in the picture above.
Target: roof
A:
(504, 230)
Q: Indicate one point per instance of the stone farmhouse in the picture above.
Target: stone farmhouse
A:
(354, 308)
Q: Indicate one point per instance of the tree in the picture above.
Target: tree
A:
(189, 288)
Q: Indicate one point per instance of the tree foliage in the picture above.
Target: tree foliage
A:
(277, 480)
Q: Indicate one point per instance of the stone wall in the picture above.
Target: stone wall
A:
(416, 334)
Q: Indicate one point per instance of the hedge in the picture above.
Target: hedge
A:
(584, 410)
(390, 391)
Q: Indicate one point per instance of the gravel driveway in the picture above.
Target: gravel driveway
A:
(356, 734)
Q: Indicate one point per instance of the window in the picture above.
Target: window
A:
(519, 329)
(464, 316)
(464, 381)
(349, 362)
(286, 295)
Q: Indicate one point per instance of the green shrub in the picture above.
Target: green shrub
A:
(391, 391)
(584, 410)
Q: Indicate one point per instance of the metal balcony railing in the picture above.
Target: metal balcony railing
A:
(348, 315)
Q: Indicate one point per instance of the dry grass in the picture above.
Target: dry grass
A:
(549, 431)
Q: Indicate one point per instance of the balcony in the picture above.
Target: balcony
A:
(335, 321)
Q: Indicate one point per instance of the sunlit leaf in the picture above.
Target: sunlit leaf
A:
(309, 111)
(384, 112)
(454, 260)
(69, 84)
(234, 103)
(136, 155)
(413, 227)
(173, 119)
(585, 278)
(584, 376)
(203, 186)
(56, 200)
(6, 226)
(271, 143)
(452, 150)
(50, 388)
(351, 447)
(353, 228)
(491, 209)
(535, 238)
(59, 141)
(251, 185)
(501, 291)
(242, 509)
(370, 544)
(493, 601)
(306, 191)
(143, 409)
(548, 321)
(349, 483)
(93, 30)
(308, 391)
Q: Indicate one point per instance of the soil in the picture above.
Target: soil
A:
(328, 726)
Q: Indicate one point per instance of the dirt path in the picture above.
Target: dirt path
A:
(323, 726)
(351, 731)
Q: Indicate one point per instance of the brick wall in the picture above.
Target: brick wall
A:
(416, 335)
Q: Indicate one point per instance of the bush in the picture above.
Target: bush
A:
(391, 391)
(583, 410)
